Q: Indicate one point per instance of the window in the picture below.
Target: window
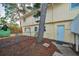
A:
(74, 5)
(44, 28)
(35, 28)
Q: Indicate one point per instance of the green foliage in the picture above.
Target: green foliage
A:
(29, 7)
(36, 6)
(9, 9)
(37, 14)
(3, 20)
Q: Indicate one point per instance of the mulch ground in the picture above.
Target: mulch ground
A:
(25, 46)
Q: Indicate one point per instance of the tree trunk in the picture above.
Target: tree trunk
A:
(19, 20)
(42, 22)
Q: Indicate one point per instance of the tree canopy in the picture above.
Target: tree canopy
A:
(13, 11)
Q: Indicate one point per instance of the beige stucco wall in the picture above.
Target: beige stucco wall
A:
(49, 14)
(49, 33)
(56, 12)
(61, 12)
(68, 36)
(29, 21)
(64, 12)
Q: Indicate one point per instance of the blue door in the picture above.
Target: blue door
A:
(60, 33)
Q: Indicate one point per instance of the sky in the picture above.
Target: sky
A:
(2, 12)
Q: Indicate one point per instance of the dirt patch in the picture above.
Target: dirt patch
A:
(25, 46)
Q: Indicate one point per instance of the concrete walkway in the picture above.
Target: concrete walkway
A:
(65, 50)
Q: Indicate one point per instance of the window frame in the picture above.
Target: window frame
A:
(76, 7)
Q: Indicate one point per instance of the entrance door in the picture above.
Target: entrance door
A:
(60, 33)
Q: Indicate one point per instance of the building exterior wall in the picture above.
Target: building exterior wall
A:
(68, 36)
(57, 14)
(29, 21)
(49, 14)
(64, 12)
(49, 33)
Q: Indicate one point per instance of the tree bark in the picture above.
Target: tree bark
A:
(42, 22)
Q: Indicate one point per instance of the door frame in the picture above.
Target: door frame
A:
(57, 34)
